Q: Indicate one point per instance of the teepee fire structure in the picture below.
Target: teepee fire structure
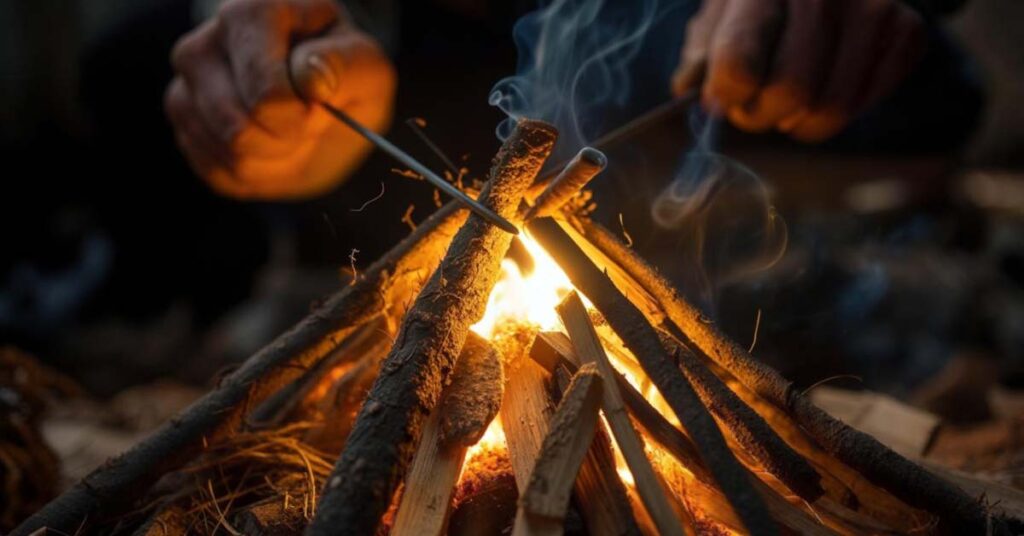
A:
(446, 390)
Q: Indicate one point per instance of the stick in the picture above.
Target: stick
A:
(543, 507)
(631, 326)
(554, 349)
(748, 428)
(880, 465)
(113, 486)
(525, 414)
(588, 347)
(432, 334)
(577, 173)
(475, 393)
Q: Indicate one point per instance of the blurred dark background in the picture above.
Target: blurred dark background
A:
(904, 267)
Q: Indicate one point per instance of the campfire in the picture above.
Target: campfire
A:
(567, 387)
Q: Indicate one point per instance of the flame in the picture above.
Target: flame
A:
(526, 298)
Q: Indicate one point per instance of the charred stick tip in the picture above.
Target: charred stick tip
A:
(580, 170)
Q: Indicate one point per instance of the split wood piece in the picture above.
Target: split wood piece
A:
(114, 485)
(747, 427)
(525, 414)
(544, 504)
(588, 347)
(577, 173)
(433, 331)
(642, 340)
(475, 393)
(553, 349)
(880, 465)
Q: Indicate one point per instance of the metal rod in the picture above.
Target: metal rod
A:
(431, 177)
(414, 124)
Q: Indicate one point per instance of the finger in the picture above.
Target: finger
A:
(742, 44)
(202, 63)
(203, 149)
(858, 49)
(343, 68)
(907, 47)
(258, 37)
(693, 57)
(799, 68)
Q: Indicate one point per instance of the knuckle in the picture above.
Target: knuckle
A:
(186, 51)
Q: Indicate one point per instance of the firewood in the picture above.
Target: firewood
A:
(408, 387)
(333, 413)
(577, 173)
(474, 396)
(281, 405)
(748, 428)
(642, 340)
(525, 414)
(588, 348)
(555, 350)
(439, 457)
(121, 480)
(561, 455)
(880, 465)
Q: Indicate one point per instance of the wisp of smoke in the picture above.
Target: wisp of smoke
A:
(574, 65)
(722, 213)
(582, 63)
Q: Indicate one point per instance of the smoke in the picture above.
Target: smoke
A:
(576, 64)
(587, 66)
(722, 214)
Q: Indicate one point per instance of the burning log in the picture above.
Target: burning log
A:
(433, 331)
(544, 504)
(469, 405)
(588, 347)
(525, 414)
(909, 482)
(631, 325)
(577, 173)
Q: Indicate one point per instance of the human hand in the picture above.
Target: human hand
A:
(803, 67)
(238, 105)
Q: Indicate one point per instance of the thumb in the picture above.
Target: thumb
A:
(340, 67)
(689, 75)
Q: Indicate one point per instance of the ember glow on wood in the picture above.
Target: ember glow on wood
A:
(433, 331)
(588, 347)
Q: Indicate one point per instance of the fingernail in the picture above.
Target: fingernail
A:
(325, 80)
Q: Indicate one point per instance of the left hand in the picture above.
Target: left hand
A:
(803, 67)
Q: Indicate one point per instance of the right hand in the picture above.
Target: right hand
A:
(238, 102)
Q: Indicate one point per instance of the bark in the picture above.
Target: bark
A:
(906, 480)
(390, 423)
(113, 486)
(641, 338)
